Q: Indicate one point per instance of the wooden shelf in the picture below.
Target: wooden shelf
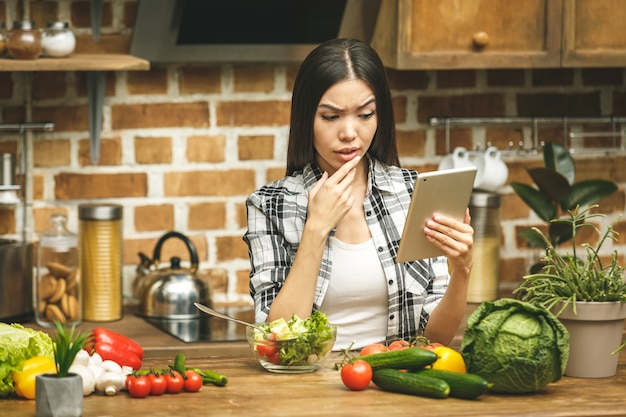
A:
(78, 62)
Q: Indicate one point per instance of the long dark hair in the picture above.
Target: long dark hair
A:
(332, 61)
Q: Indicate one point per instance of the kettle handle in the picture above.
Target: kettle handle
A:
(190, 246)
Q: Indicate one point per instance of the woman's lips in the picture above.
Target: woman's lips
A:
(347, 154)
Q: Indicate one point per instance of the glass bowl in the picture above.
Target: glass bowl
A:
(304, 354)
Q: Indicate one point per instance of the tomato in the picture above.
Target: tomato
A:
(432, 346)
(399, 345)
(449, 360)
(267, 348)
(373, 348)
(158, 384)
(175, 382)
(356, 375)
(194, 382)
(275, 358)
(138, 385)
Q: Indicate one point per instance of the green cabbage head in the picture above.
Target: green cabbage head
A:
(517, 346)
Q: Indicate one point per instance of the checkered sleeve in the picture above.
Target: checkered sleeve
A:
(276, 216)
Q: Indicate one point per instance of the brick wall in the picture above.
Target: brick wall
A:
(183, 145)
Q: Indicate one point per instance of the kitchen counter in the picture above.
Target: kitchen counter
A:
(253, 391)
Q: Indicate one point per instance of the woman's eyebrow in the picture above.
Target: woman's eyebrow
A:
(336, 109)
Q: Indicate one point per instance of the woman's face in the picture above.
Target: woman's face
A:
(345, 124)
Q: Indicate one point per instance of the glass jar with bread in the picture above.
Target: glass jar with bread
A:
(58, 290)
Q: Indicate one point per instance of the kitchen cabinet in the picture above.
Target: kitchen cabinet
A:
(593, 33)
(453, 34)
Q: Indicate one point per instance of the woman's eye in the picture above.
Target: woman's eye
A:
(367, 115)
(329, 117)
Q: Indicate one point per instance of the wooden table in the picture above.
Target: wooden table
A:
(252, 391)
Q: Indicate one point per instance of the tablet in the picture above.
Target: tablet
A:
(447, 192)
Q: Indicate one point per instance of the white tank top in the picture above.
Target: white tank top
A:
(356, 300)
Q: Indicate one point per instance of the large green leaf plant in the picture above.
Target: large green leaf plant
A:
(556, 193)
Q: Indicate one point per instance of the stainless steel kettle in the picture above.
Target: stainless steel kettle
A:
(169, 293)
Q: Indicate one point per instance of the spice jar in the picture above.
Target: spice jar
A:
(100, 236)
(4, 35)
(58, 40)
(58, 286)
(24, 40)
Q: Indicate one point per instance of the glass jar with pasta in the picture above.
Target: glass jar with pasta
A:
(100, 235)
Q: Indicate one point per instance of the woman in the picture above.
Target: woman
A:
(325, 237)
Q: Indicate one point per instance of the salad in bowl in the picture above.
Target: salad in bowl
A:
(293, 346)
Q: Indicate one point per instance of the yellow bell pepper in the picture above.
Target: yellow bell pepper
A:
(449, 360)
(24, 380)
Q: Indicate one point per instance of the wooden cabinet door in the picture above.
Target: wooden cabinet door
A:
(450, 34)
(594, 33)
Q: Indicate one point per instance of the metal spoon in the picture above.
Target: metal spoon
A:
(212, 312)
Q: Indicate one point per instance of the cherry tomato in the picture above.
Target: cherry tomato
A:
(194, 382)
(175, 382)
(373, 348)
(267, 348)
(431, 346)
(138, 385)
(356, 375)
(275, 358)
(158, 384)
(399, 345)
(449, 360)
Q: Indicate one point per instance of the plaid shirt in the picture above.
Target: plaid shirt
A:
(276, 216)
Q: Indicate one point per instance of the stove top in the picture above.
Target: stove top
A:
(207, 328)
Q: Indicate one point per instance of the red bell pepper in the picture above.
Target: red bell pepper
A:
(116, 347)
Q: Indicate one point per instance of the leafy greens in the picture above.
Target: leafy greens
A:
(517, 346)
(18, 343)
(303, 341)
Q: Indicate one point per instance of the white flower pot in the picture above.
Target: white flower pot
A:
(595, 330)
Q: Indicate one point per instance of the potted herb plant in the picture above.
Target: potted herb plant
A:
(61, 394)
(586, 293)
(555, 193)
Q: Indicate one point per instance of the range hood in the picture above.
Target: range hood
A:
(246, 30)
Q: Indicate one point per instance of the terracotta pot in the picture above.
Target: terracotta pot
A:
(59, 397)
(595, 330)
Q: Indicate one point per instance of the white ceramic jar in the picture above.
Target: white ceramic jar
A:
(58, 40)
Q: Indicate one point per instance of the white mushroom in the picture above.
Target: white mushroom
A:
(82, 358)
(95, 359)
(110, 383)
(89, 381)
(111, 366)
(96, 370)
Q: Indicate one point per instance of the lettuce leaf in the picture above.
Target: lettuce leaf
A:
(18, 343)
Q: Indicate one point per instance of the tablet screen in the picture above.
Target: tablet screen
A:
(447, 192)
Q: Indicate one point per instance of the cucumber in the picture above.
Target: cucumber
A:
(467, 386)
(412, 358)
(393, 380)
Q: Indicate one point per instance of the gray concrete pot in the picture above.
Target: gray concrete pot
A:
(59, 397)
(595, 330)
